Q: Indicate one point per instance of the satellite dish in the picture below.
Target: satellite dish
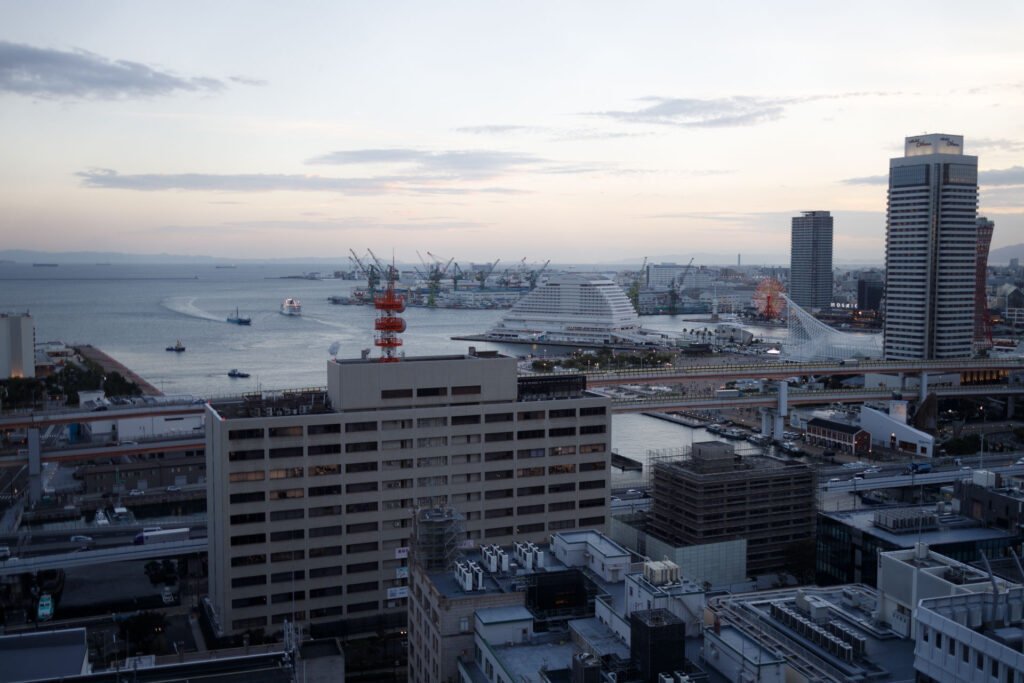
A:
(333, 349)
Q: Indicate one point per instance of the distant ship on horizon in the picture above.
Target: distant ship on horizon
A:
(45, 265)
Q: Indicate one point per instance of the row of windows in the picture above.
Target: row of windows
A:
(251, 623)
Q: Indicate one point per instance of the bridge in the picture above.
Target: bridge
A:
(38, 419)
(94, 451)
(102, 556)
(904, 480)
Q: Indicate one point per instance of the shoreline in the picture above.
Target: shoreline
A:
(110, 365)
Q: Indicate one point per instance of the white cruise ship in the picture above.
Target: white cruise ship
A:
(575, 309)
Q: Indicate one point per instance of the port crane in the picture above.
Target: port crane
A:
(533, 275)
(634, 289)
(676, 290)
(485, 273)
(370, 272)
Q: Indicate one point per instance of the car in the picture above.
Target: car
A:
(1020, 461)
(965, 468)
(135, 492)
(167, 595)
(872, 470)
(857, 476)
(173, 489)
(834, 480)
(81, 539)
(5, 553)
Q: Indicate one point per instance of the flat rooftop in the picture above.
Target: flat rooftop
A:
(952, 528)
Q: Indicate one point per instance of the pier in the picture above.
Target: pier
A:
(626, 464)
(110, 365)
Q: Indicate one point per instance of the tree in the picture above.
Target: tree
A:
(145, 631)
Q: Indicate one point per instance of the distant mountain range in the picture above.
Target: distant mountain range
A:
(343, 262)
(1002, 255)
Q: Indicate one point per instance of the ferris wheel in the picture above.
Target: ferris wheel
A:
(768, 299)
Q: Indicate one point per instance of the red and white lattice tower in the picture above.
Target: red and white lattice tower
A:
(388, 325)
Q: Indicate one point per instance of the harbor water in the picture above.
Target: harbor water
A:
(134, 312)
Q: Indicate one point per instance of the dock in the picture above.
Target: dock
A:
(626, 464)
(110, 365)
(678, 418)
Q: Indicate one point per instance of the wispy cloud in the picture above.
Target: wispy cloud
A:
(79, 74)
(867, 180)
(451, 164)
(283, 226)
(703, 113)
(551, 134)
(270, 182)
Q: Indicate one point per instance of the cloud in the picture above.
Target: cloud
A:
(1000, 176)
(78, 74)
(450, 164)
(269, 182)
(867, 180)
(277, 226)
(551, 134)
(1004, 176)
(497, 129)
(1002, 144)
(704, 113)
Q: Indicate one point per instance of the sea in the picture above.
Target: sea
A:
(134, 312)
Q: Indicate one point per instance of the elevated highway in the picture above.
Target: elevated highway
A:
(796, 397)
(779, 370)
(98, 451)
(102, 556)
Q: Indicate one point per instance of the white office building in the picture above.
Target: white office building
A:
(17, 346)
(810, 260)
(930, 248)
(311, 493)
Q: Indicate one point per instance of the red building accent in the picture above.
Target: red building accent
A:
(982, 323)
(388, 325)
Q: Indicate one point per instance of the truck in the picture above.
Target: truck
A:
(728, 393)
(918, 468)
(161, 536)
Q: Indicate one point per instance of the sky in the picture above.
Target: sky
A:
(576, 131)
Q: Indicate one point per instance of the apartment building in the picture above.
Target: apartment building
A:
(311, 492)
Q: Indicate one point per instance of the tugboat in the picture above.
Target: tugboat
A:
(291, 307)
(177, 348)
(234, 372)
(239, 320)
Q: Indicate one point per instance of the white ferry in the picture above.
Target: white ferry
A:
(291, 307)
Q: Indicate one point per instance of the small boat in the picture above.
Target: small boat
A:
(238, 319)
(291, 307)
(234, 372)
(178, 347)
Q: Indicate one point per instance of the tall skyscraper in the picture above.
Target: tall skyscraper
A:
(810, 260)
(931, 241)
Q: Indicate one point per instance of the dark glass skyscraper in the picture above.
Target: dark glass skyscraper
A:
(810, 260)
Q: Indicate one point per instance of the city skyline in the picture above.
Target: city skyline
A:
(583, 133)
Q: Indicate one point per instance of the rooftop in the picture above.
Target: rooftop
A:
(951, 528)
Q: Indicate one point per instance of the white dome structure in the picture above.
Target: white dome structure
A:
(574, 308)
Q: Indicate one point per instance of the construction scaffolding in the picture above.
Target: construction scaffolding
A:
(437, 538)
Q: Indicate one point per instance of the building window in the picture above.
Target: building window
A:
(323, 429)
(497, 436)
(324, 470)
(325, 511)
(497, 417)
(253, 497)
(321, 572)
(248, 560)
(332, 490)
(563, 431)
(248, 539)
(291, 430)
(284, 494)
(353, 508)
(368, 547)
(287, 556)
(530, 509)
(592, 466)
(254, 601)
(592, 429)
(360, 567)
(497, 474)
(563, 450)
(530, 472)
(466, 390)
(592, 448)
(285, 577)
(564, 505)
(361, 487)
(324, 449)
(287, 535)
(286, 473)
(497, 455)
(354, 467)
(562, 488)
(464, 419)
(236, 456)
(396, 393)
(531, 415)
(290, 452)
(361, 427)
(595, 410)
(235, 434)
(244, 581)
(561, 469)
(563, 524)
(325, 551)
(597, 484)
(360, 528)
(236, 477)
(361, 447)
(531, 434)
(250, 518)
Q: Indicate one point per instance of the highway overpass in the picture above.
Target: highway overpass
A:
(102, 556)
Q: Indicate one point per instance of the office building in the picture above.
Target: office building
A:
(974, 637)
(716, 495)
(982, 323)
(870, 289)
(17, 346)
(931, 245)
(311, 493)
(849, 541)
(810, 260)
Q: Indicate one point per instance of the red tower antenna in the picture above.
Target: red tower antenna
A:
(388, 325)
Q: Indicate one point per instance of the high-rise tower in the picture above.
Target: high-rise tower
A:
(931, 240)
(810, 260)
